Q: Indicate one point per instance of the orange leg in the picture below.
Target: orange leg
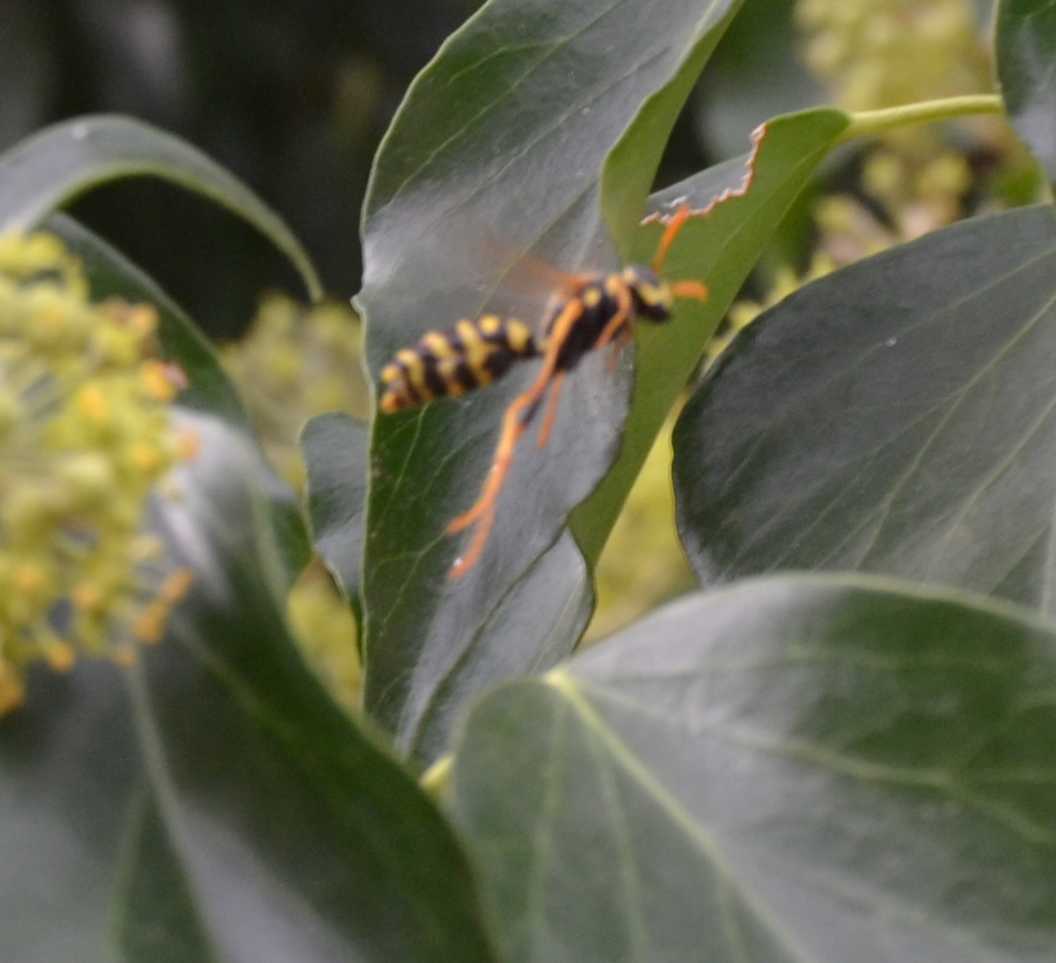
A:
(696, 290)
(551, 408)
(482, 513)
(620, 318)
(674, 226)
(618, 329)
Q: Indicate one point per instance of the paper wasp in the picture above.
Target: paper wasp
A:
(594, 310)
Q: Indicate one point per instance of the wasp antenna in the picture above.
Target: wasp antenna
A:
(674, 226)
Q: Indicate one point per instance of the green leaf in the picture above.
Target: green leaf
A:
(273, 828)
(334, 448)
(893, 417)
(721, 248)
(157, 920)
(1025, 47)
(497, 153)
(69, 768)
(299, 837)
(60, 163)
(796, 768)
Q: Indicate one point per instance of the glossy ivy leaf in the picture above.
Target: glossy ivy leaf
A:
(60, 163)
(299, 837)
(1025, 46)
(334, 448)
(894, 417)
(496, 152)
(795, 768)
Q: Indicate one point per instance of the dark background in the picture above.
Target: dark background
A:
(292, 97)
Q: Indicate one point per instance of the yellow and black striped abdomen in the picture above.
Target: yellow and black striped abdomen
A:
(471, 354)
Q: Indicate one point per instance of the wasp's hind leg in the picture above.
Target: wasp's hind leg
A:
(514, 423)
(482, 514)
(551, 408)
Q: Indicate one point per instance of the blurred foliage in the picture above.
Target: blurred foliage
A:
(295, 362)
(291, 97)
(854, 45)
(325, 627)
(643, 564)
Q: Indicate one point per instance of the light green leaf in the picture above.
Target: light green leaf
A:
(721, 248)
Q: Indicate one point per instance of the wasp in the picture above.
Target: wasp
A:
(592, 311)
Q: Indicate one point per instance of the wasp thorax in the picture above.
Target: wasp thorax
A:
(652, 295)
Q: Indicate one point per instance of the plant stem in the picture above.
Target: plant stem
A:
(868, 123)
(435, 779)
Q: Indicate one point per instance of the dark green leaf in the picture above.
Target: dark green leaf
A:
(157, 918)
(334, 447)
(498, 151)
(796, 768)
(298, 836)
(894, 417)
(62, 162)
(68, 770)
(1025, 48)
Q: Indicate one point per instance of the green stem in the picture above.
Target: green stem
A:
(869, 123)
(435, 779)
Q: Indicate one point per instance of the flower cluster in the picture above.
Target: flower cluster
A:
(325, 627)
(85, 434)
(294, 363)
(881, 53)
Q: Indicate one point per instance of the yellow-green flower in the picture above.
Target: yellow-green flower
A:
(326, 630)
(85, 434)
(881, 53)
(294, 363)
